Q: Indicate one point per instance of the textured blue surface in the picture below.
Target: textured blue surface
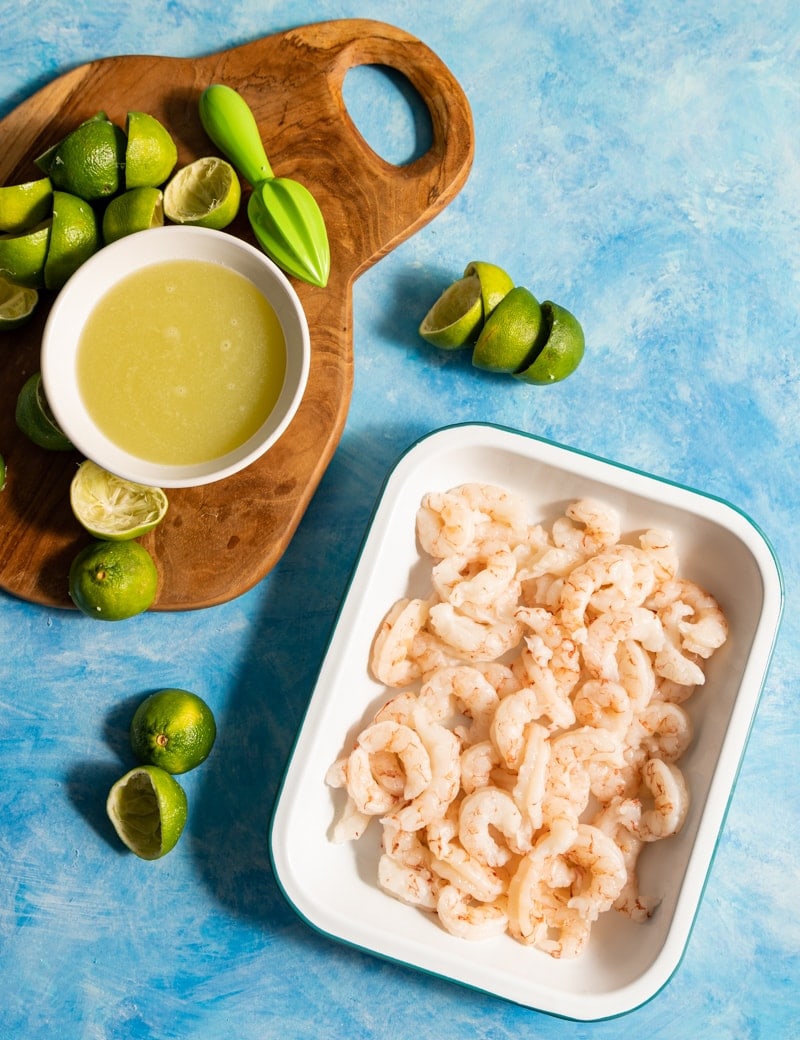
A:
(638, 163)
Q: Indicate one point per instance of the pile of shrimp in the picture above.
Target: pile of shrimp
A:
(529, 747)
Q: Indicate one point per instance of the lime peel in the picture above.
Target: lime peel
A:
(148, 809)
(206, 193)
(112, 508)
(34, 418)
(457, 315)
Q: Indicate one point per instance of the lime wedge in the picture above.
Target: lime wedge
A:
(23, 205)
(148, 809)
(112, 508)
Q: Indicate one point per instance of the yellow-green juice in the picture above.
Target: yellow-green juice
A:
(181, 362)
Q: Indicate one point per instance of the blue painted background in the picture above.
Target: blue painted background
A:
(640, 164)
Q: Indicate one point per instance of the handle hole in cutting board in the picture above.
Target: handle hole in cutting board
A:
(389, 113)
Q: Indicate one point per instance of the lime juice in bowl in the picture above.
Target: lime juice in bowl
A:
(176, 356)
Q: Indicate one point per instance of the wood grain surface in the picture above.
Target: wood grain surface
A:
(220, 539)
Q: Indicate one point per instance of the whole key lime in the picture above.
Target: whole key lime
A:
(112, 581)
(173, 729)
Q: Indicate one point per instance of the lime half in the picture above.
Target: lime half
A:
(148, 809)
(112, 508)
(137, 209)
(495, 283)
(511, 332)
(206, 193)
(17, 304)
(562, 351)
(150, 153)
(454, 320)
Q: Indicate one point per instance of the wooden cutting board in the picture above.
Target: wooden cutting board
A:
(220, 539)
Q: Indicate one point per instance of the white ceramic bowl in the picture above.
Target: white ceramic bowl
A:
(334, 886)
(102, 271)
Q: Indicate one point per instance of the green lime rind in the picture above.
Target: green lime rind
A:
(206, 193)
(496, 283)
(112, 508)
(455, 319)
(34, 418)
(148, 809)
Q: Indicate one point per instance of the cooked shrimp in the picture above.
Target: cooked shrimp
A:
(399, 760)
(589, 527)
(486, 813)
(601, 872)
(602, 571)
(474, 640)
(549, 653)
(351, 823)
(367, 794)
(636, 674)
(452, 862)
(568, 785)
(672, 661)
(514, 713)
(428, 652)
(607, 632)
(445, 524)
(465, 918)
(662, 729)
(530, 781)
(443, 750)
(619, 819)
(398, 709)
(478, 762)
(708, 628)
(482, 583)
(404, 869)
(500, 676)
(609, 596)
(391, 661)
(501, 516)
(603, 704)
(664, 783)
(543, 591)
(464, 689)
(659, 547)
(536, 903)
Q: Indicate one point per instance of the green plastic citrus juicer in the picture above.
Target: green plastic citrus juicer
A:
(283, 213)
